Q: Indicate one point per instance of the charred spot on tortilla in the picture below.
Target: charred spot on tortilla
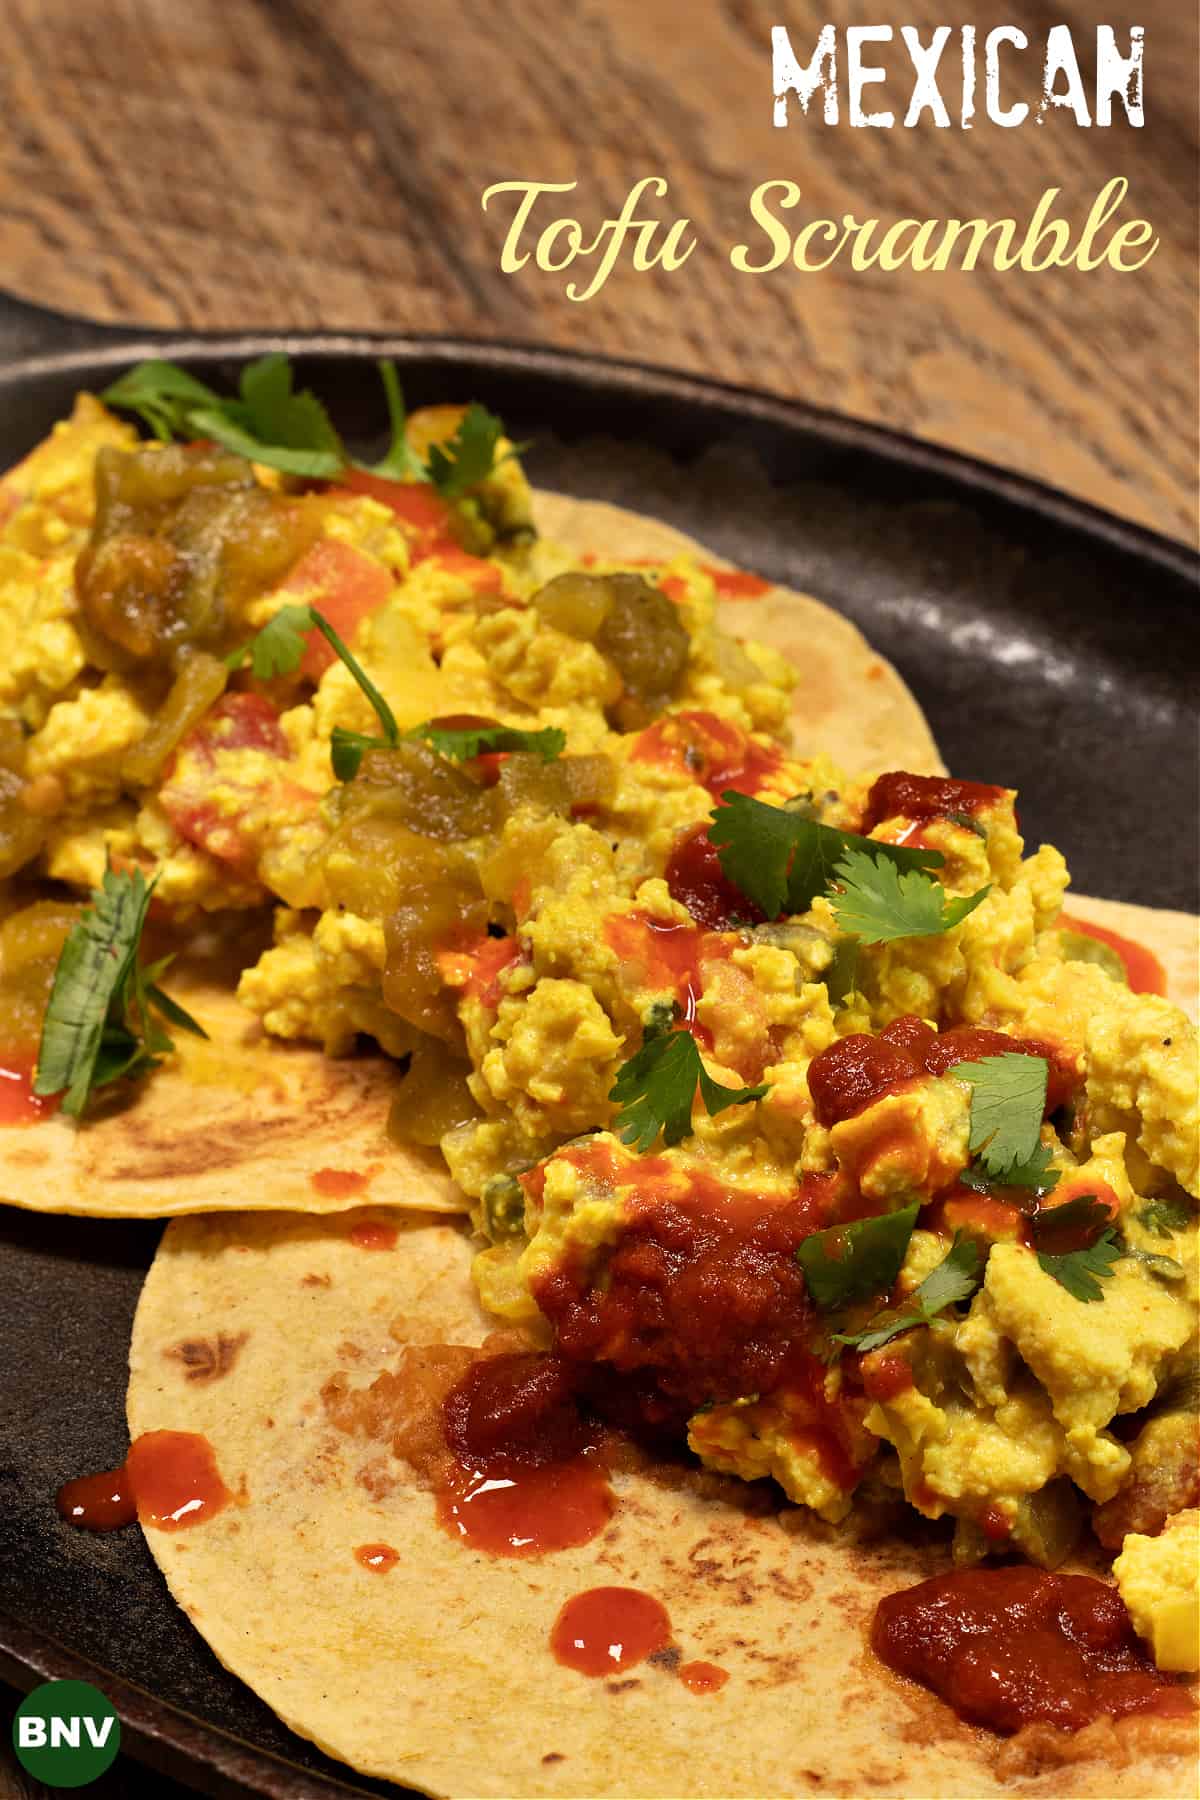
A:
(207, 1359)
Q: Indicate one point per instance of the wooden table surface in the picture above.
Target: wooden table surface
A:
(320, 163)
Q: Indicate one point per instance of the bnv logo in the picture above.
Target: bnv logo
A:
(66, 1733)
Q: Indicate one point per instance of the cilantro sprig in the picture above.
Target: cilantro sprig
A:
(852, 1262)
(656, 1087)
(271, 422)
(100, 1024)
(782, 860)
(953, 1280)
(278, 649)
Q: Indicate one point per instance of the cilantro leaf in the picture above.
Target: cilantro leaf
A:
(1165, 1215)
(469, 741)
(879, 902)
(271, 422)
(1008, 1100)
(279, 647)
(1035, 1173)
(851, 1262)
(954, 1279)
(163, 395)
(1076, 1245)
(469, 456)
(99, 1023)
(782, 861)
(655, 1090)
(1077, 1270)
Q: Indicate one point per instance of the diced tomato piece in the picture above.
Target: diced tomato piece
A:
(210, 809)
(415, 503)
(483, 576)
(238, 722)
(343, 584)
(477, 965)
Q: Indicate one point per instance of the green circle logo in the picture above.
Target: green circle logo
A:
(66, 1733)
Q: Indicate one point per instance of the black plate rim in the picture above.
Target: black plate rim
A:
(163, 1735)
(93, 345)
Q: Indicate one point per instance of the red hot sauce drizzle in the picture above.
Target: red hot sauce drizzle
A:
(379, 1558)
(338, 1184)
(1007, 1646)
(702, 1677)
(101, 1502)
(608, 1629)
(169, 1480)
(19, 1105)
(1143, 970)
(373, 1234)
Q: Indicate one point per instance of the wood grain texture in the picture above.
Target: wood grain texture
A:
(320, 162)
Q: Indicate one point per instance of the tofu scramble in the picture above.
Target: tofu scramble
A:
(515, 928)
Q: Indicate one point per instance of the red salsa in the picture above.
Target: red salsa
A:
(526, 1478)
(858, 1070)
(702, 1677)
(899, 795)
(701, 1300)
(337, 1184)
(696, 879)
(1007, 1646)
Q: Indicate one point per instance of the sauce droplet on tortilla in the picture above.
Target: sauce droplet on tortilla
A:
(373, 1234)
(609, 1628)
(1143, 970)
(101, 1502)
(702, 1677)
(529, 1511)
(338, 1184)
(1006, 1646)
(169, 1479)
(19, 1105)
(175, 1479)
(377, 1557)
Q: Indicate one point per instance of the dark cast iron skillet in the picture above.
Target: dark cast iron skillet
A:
(1051, 646)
